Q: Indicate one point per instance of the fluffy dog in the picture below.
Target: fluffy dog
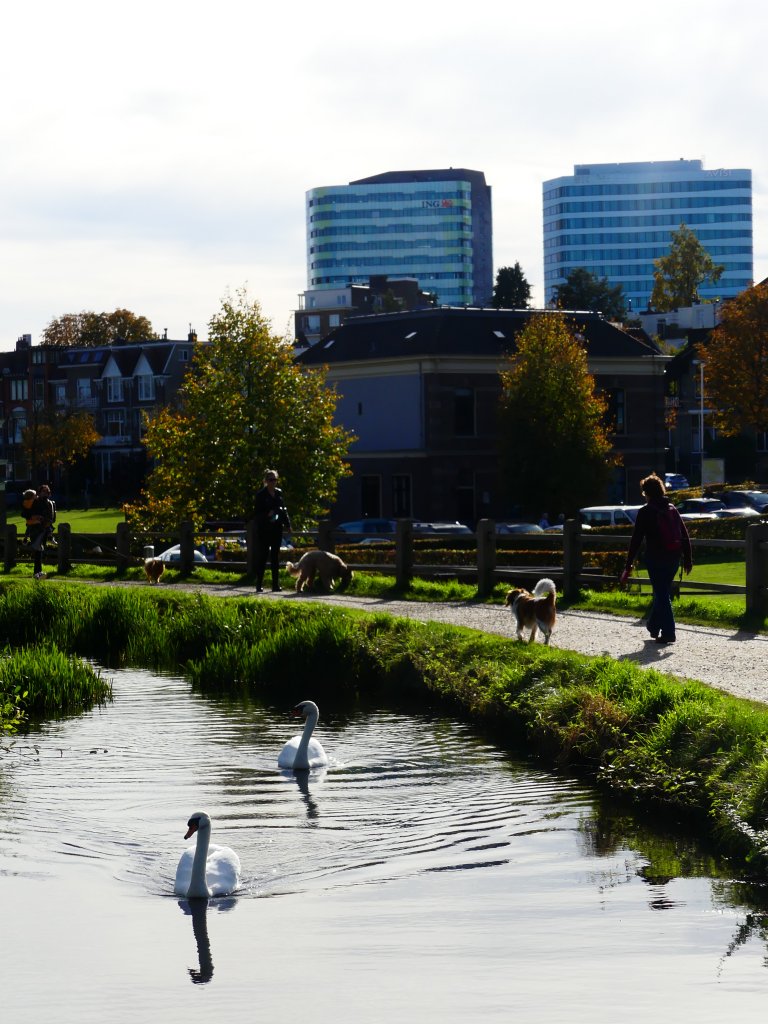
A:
(319, 563)
(153, 569)
(536, 610)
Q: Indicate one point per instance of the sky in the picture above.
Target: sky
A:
(156, 155)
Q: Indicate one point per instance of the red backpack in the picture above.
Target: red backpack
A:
(670, 529)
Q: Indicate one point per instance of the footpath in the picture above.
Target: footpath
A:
(730, 660)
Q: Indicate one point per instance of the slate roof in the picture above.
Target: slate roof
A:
(447, 331)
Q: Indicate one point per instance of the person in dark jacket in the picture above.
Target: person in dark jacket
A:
(662, 559)
(41, 518)
(272, 518)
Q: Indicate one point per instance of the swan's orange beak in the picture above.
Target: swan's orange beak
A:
(192, 829)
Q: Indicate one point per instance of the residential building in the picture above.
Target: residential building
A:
(420, 392)
(431, 225)
(615, 220)
(322, 309)
(116, 384)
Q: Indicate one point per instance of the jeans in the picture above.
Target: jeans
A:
(661, 573)
(268, 550)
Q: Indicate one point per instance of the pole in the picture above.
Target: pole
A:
(701, 421)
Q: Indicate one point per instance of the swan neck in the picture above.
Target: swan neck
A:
(302, 760)
(198, 885)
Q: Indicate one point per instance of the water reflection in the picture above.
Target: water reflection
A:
(198, 911)
(302, 778)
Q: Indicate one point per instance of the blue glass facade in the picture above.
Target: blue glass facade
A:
(617, 219)
(434, 226)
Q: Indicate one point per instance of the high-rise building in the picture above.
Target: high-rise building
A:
(434, 226)
(616, 219)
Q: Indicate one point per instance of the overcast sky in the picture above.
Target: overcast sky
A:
(155, 155)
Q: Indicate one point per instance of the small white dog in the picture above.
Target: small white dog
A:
(536, 610)
(319, 563)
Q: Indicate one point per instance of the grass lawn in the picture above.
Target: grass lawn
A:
(93, 520)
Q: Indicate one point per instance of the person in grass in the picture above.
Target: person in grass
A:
(42, 515)
(667, 542)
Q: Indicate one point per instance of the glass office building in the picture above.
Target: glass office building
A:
(616, 219)
(434, 226)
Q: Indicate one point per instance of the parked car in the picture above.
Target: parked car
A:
(700, 506)
(738, 513)
(609, 515)
(758, 500)
(173, 554)
(675, 482)
(507, 528)
(367, 526)
(444, 528)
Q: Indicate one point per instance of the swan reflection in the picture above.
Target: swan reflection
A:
(302, 779)
(197, 909)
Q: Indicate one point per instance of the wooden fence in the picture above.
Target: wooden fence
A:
(570, 571)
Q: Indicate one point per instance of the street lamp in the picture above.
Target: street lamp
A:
(701, 364)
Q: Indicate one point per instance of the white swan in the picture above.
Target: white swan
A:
(302, 752)
(207, 870)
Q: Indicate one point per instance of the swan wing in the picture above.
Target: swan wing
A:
(288, 754)
(184, 872)
(317, 756)
(222, 870)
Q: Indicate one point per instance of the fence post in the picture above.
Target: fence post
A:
(571, 558)
(186, 547)
(756, 556)
(403, 553)
(486, 556)
(325, 536)
(64, 547)
(123, 546)
(251, 546)
(9, 556)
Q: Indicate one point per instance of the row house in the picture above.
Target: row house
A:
(116, 384)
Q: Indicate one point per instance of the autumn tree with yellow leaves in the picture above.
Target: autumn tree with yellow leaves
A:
(736, 364)
(556, 450)
(245, 405)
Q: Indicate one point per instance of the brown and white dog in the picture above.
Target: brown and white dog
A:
(153, 569)
(536, 610)
(319, 563)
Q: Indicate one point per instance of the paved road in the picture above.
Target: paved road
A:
(730, 660)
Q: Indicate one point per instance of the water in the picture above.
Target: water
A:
(425, 875)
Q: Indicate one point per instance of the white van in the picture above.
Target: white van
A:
(609, 515)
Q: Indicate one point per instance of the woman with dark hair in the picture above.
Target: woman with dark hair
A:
(271, 517)
(666, 539)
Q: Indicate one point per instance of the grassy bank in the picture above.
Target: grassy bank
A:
(694, 751)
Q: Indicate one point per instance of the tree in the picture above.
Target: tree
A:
(678, 274)
(555, 445)
(58, 440)
(89, 330)
(511, 290)
(736, 364)
(244, 406)
(584, 290)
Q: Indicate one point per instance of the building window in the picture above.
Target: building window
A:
(83, 389)
(60, 394)
(19, 390)
(114, 389)
(17, 427)
(616, 410)
(370, 496)
(334, 319)
(146, 387)
(464, 412)
(401, 496)
(116, 423)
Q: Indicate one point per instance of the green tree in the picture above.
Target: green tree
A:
(584, 290)
(678, 275)
(511, 290)
(89, 330)
(244, 406)
(555, 446)
(736, 364)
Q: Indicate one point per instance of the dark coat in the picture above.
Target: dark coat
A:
(270, 511)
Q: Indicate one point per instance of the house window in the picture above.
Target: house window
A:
(19, 390)
(146, 387)
(60, 394)
(616, 410)
(17, 427)
(334, 319)
(116, 423)
(370, 496)
(401, 495)
(464, 412)
(83, 389)
(114, 389)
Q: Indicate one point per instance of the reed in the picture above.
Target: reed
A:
(44, 682)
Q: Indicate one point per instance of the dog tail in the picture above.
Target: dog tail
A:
(545, 587)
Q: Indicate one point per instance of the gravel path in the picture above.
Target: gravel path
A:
(730, 660)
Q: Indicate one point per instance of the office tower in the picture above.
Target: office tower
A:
(433, 226)
(616, 219)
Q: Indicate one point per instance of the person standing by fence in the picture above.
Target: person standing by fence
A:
(271, 515)
(666, 539)
(41, 519)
